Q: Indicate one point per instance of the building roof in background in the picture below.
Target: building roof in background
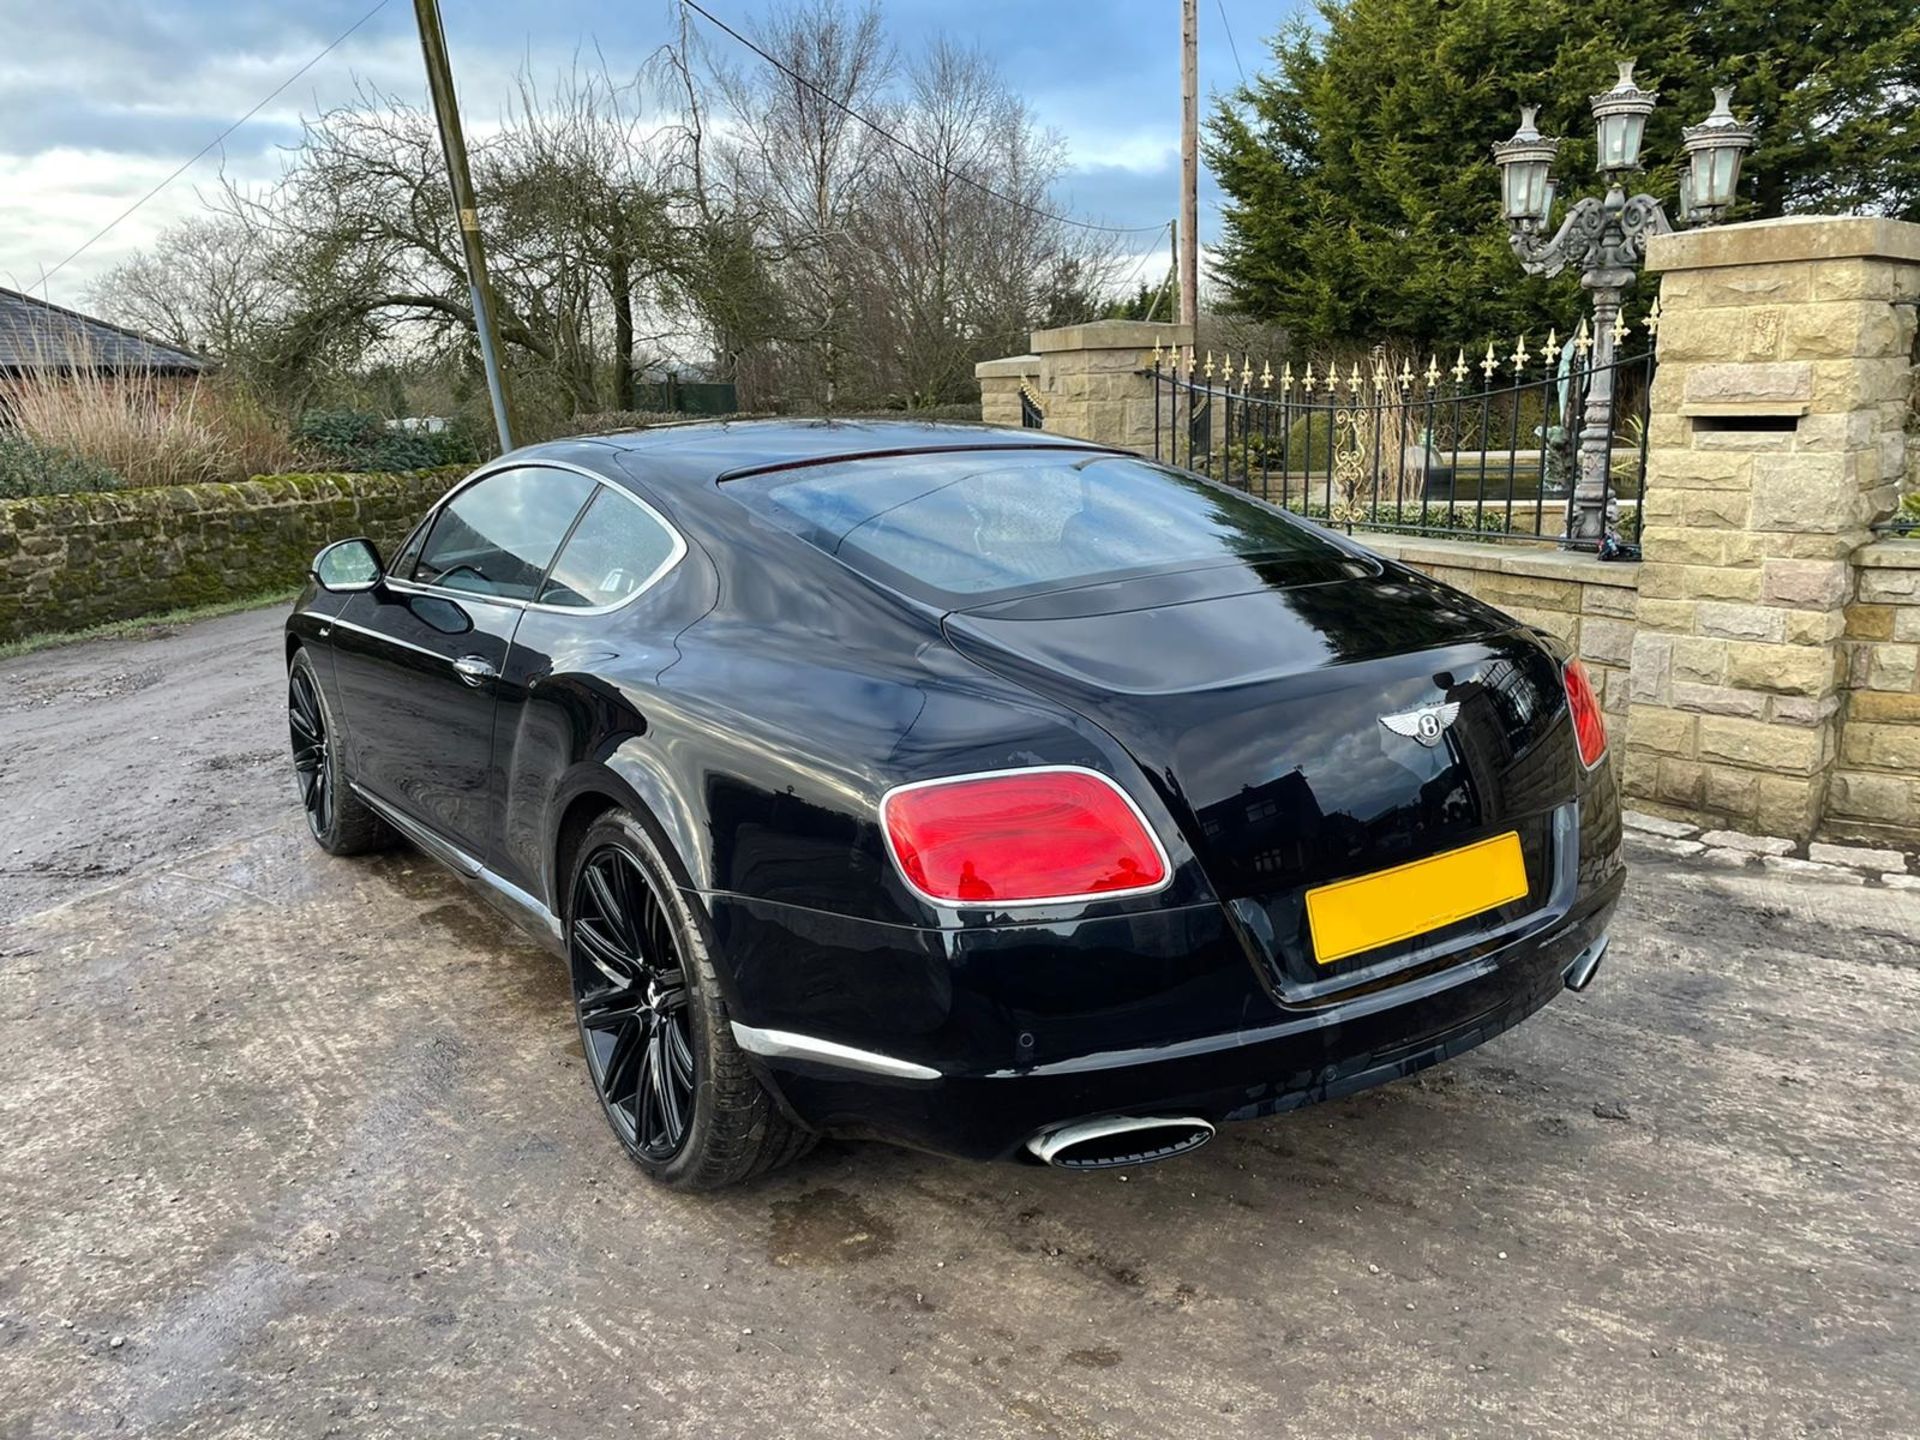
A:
(35, 333)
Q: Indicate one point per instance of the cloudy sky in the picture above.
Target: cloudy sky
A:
(101, 99)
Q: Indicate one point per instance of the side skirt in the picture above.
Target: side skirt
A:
(523, 908)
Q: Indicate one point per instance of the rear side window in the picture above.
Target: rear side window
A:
(978, 526)
(498, 535)
(616, 551)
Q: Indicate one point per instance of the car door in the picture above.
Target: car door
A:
(619, 551)
(416, 660)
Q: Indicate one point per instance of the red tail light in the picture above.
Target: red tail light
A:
(1021, 837)
(1589, 726)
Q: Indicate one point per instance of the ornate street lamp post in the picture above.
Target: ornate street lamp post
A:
(1606, 238)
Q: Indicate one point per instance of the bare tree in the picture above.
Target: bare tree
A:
(207, 284)
(805, 165)
(850, 232)
(962, 256)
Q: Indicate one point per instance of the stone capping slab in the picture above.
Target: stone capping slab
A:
(1115, 335)
(1889, 555)
(1535, 562)
(1010, 367)
(1737, 408)
(1657, 825)
(1736, 849)
(1790, 238)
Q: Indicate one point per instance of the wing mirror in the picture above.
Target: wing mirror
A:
(348, 567)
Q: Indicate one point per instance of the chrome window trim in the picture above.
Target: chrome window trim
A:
(955, 906)
(486, 472)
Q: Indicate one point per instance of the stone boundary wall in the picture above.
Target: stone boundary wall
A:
(1875, 795)
(1777, 434)
(1590, 604)
(70, 561)
(1086, 379)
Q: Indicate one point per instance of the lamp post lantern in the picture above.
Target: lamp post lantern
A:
(1606, 238)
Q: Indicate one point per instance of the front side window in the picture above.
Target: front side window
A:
(497, 536)
(615, 551)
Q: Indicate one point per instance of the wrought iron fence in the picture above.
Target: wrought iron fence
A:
(1425, 453)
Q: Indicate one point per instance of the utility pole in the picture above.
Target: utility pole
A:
(1190, 164)
(1173, 252)
(433, 44)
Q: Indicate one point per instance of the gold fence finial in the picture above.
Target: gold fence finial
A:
(1489, 365)
(1156, 352)
(1460, 366)
(1246, 371)
(1406, 373)
(1189, 362)
(1286, 378)
(1653, 317)
(1520, 356)
(1433, 370)
(1307, 379)
(1552, 353)
(1620, 327)
(1583, 338)
(1208, 372)
(1266, 374)
(1353, 380)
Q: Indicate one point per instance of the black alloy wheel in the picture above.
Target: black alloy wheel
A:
(342, 823)
(313, 772)
(630, 989)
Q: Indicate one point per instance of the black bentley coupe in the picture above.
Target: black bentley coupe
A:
(980, 790)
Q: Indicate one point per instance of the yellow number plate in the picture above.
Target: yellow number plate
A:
(1368, 911)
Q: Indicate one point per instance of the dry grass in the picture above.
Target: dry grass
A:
(148, 428)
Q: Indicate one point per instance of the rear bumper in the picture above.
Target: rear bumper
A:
(982, 1090)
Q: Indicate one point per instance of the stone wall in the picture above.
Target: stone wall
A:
(1759, 665)
(1086, 380)
(1875, 795)
(69, 561)
(1590, 604)
(1777, 434)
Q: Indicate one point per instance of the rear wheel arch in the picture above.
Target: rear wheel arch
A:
(636, 789)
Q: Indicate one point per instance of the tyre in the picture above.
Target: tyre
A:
(677, 1090)
(339, 820)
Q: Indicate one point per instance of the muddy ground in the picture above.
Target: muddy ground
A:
(295, 1146)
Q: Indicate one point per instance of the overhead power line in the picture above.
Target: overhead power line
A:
(1227, 25)
(202, 152)
(907, 145)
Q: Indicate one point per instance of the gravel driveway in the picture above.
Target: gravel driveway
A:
(295, 1146)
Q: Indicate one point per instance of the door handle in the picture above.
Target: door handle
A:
(475, 669)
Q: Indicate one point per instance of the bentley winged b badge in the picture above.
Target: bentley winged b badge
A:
(1427, 724)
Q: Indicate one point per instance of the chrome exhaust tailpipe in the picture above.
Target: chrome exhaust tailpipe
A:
(1586, 964)
(1119, 1141)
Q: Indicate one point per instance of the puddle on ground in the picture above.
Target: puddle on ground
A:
(414, 877)
(477, 931)
(826, 1227)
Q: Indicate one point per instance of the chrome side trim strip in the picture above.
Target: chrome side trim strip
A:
(445, 851)
(461, 863)
(786, 1045)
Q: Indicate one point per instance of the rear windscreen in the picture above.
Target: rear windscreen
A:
(975, 526)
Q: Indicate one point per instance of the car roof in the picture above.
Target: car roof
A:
(705, 451)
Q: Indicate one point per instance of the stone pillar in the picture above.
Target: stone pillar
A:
(1777, 434)
(1087, 379)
